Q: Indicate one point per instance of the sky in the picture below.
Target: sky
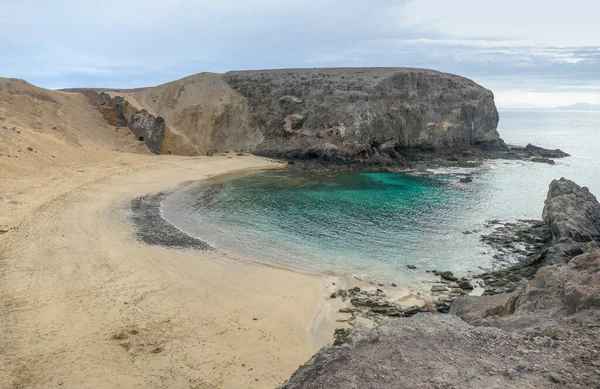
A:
(531, 53)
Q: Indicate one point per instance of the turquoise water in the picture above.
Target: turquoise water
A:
(374, 224)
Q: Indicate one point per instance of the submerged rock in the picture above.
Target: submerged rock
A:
(447, 275)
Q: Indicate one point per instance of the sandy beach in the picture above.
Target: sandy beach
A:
(85, 305)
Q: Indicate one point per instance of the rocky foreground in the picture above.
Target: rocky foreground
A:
(545, 334)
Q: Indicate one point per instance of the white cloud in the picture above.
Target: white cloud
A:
(548, 22)
(511, 46)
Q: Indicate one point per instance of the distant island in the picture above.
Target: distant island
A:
(579, 107)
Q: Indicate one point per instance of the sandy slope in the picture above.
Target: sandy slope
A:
(59, 129)
(86, 305)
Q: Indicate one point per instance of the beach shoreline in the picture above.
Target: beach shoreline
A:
(85, 304)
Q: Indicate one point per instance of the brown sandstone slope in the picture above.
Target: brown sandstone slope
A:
(40, 128)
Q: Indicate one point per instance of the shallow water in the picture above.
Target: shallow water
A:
(374, 224)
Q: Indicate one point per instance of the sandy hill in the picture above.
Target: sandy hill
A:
(41, 128)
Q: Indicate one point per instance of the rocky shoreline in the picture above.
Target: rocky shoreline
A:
(540, 331)
(421, 159)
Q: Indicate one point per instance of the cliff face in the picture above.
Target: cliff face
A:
(362, 114)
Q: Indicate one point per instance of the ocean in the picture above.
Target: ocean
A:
(373, 225)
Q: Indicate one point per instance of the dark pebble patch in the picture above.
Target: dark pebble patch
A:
(153, 230)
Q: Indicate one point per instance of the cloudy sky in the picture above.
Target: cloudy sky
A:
(529, 52)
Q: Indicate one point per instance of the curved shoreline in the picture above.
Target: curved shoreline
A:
(108, 311)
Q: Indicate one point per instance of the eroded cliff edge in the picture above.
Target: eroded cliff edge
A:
(544, 334)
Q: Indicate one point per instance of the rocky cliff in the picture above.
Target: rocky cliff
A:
(364, 114)
(573, 215)
(544, 334)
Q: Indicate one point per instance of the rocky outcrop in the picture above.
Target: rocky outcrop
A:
(555, 295)
(115, 110)
(433, 351)
(366, 114)
(573, 215)
(149, 129)
(570, 227)
(118, 112)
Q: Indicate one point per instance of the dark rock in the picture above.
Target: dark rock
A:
(543, 160)
(356, 289)
(340, 336)
(151, 228)
(148, 129)
(30, 149)
(466, 180)
(442, 307)
(439, 288)
(364, 114)
(447, 275)
(118, 112)
(545, 153)
(412, 267)
(465, 285)
(573, 215)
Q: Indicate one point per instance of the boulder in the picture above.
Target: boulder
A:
(148, 129)
(573, 215)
